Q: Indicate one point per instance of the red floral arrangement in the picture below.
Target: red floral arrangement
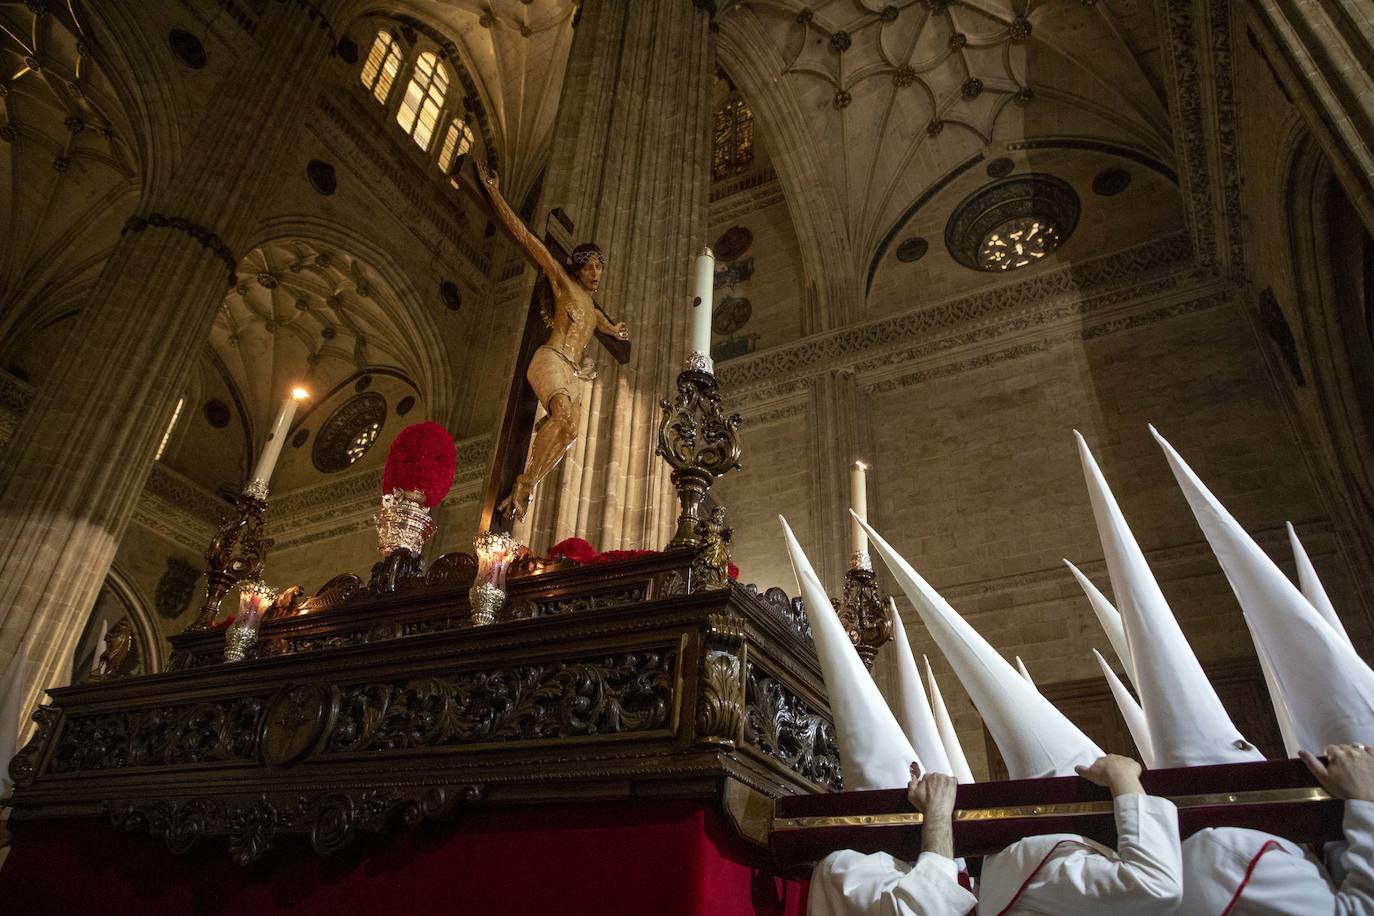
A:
(422, 458)
(580, 552)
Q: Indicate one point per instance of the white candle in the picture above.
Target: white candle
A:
(858, 501)
(99, 646)
(271, 449)
(702, 287)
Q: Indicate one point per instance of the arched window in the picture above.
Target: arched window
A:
(171, 425)
(419, 111)
(734, 139)
(383, 61)
(457, 141)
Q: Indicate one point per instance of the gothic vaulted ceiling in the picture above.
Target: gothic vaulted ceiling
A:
(304, 313)
(68, 171)
(875, 100)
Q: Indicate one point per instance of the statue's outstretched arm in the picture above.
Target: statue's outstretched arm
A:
(534, 249)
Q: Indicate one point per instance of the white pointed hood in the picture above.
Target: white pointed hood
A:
(1281, 713)
(1130, 711)
(910, 705)
(1108, 617)
(1188, 725)
(874, 753)
(1328, 689)
(1311, 586)
(954, 750)
(1035, 738)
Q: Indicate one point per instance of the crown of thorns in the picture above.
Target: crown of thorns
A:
(582, 257)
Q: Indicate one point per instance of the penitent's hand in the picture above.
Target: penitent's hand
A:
(1347, 773)
(1120, 774)
(933, 795)
(622, 331)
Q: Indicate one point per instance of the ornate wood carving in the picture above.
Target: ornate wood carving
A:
(621, 688)
(298, 716)
(159, 736)
(720, 705)
(627, 693)
(331, 819)
(782, 725)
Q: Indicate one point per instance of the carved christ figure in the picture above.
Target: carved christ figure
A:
(560, 369)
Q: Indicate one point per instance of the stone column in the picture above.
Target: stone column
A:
(76, 465)
(630, 165)
(1323, 50)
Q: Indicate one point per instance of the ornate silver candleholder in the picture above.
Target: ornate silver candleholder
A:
(254, 598)
(403, 526)
(495, 551)
(862, 609)
(699, 443)
(236, 552)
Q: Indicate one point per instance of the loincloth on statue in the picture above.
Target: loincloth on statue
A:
(552, 373)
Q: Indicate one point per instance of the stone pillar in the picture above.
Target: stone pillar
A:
(76, 465)
(630, 166)
(1323, 50)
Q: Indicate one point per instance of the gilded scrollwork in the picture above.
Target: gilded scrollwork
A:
(632, 692)
(781, 724)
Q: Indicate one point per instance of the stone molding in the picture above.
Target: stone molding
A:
(364, 158)
(730, 203)
(1137, 275)
(178, 509)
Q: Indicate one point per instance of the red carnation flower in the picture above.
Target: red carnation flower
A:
(422, 458)
(575, 549)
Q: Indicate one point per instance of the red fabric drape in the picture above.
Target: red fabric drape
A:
(645, 859)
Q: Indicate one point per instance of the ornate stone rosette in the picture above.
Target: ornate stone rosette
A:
(700, 444)
(403, 521)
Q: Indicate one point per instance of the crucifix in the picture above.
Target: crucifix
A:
(552, 368)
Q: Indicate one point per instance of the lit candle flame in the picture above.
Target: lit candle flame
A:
(299, 394)
(860, 465)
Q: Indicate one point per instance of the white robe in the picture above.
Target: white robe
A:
(1259, 874)
(849, 883)
(1065, 874)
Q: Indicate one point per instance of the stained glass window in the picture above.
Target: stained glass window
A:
(734, 140)
(379, 71)
(362, 442)
(1017, 243)
(419, 111)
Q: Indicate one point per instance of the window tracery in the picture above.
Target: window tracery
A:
(457, 141)
(733, 151)
(383, 63)
(419, 111)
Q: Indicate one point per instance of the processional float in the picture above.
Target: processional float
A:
(484, 682)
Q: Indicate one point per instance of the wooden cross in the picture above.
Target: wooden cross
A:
(517, 425)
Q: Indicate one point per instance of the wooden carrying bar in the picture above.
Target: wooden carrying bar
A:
(1277, 796)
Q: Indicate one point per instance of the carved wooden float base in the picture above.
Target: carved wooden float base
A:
(377, 709)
